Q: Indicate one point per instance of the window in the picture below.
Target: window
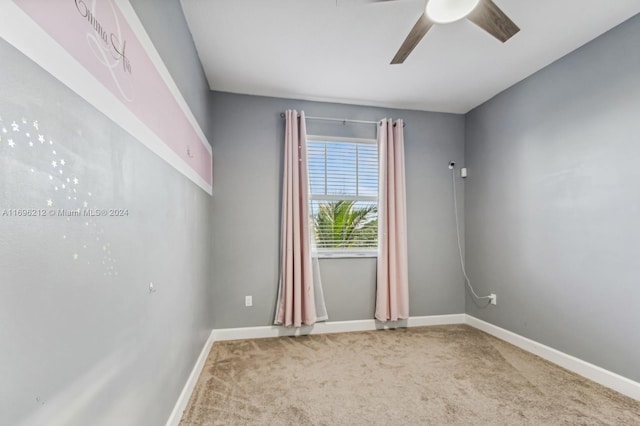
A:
(343, 180)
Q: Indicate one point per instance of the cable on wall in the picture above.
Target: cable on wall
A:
(455, 211)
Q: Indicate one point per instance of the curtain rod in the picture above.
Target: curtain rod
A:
(340, 120)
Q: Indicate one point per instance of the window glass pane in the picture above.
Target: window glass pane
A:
(345, 224)
(343, 169)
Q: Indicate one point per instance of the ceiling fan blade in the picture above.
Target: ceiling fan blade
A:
(490, 18)
(415, 35)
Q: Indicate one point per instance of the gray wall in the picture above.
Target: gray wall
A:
(553, 206)
(82, 339)
(249, 134)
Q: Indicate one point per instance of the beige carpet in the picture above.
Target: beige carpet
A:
(417, 376)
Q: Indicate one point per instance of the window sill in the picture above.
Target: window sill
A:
(346, 254)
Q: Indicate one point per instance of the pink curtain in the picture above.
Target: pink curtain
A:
(296, 293)
(392, 298)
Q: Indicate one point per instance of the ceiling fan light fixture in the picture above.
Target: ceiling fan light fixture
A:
(447, 11)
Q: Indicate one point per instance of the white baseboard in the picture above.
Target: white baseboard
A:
(332, 327)
(437, 320)
(592, 372)
(185, 395)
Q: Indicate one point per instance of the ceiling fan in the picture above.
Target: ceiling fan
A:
(484, 13)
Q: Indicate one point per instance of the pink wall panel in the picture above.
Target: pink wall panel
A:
(99, 37)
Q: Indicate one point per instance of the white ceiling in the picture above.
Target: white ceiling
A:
(317, 50)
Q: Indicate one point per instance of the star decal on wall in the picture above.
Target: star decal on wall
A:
(62, 190)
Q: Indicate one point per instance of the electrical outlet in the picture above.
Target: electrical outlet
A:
(493, 298)
(248, 301)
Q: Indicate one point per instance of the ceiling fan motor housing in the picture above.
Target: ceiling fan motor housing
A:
(447, 11)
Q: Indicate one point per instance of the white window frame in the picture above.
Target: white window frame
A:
(337, 252)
